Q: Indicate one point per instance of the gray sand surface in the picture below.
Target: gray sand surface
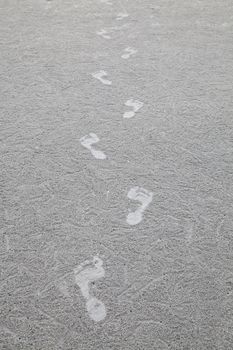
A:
(131, 247)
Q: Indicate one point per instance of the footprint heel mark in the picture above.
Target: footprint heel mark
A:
(87, 141)
(86, 273)
(129, 51)
(100, 76)
(135, 104)
(144, 197)
(96, 309)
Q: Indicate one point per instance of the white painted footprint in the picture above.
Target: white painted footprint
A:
(121, 16)
(129, 51)
(100, 76)
(86, 273)
(87, 141)
(135, 104)
(103, 33)
(144, 197)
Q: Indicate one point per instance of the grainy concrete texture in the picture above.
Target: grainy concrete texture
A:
(116, 175)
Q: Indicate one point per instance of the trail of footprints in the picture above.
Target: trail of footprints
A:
(89, 272)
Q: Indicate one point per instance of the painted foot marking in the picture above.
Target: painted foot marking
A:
(129, 51)
(87, 141)
(100, 76)
(135, 104)
(103, 33)
(144, 197)
(86, 273)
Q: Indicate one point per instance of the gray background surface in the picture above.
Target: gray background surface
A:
(169, 280)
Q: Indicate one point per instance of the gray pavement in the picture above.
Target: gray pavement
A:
(116, 175)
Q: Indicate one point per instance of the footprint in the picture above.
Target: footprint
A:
(129, 51)
(144, 197)
(86, 273)
(103, 33)
(135, 104)
(99, 75)
(121, 16)
(87, 141)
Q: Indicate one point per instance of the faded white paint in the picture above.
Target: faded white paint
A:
(87, 141)
(107, 2)
(135, 104)
(121, 16)
(86, 273)
(96, 309)
(129, 51)
(100, 76)
(144, 197)
(103, 33)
